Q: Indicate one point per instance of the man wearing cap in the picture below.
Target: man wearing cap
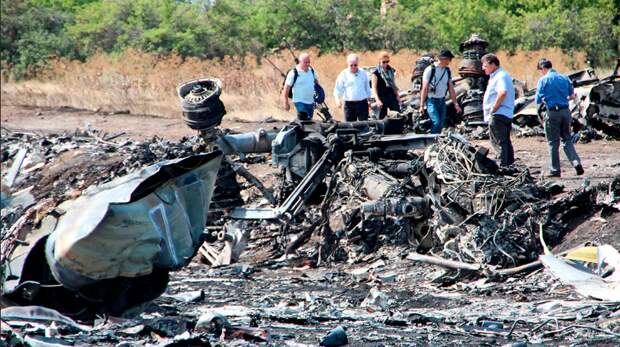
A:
(554, 90)
(353, 86)
(436, 82)
(498, 106)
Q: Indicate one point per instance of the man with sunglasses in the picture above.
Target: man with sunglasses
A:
(436, 82)
(554, 90)
(384, 86)
(353, 87)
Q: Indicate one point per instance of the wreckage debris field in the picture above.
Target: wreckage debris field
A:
(430, 246)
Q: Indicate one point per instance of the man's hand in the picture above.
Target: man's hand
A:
(379, 103)
(421, 108)
(458, 108)
(338, 104)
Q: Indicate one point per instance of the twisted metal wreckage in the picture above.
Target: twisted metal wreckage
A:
(356, 185)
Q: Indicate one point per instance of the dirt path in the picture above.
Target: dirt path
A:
(47, 119)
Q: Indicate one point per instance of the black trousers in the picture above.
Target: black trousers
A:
(355, 110)
(499, 132)
(389, 102)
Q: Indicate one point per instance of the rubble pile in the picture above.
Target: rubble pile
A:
(366, 233)
(451, 200)
(57, 167)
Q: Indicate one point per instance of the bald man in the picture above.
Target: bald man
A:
(300, 80)
(353, 86)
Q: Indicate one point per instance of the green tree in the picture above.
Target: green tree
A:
(159, 26)
(30, 34)
(34, 30)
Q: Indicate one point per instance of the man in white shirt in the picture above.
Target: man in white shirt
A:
(353, 86)
(300, 81)
(498, 106)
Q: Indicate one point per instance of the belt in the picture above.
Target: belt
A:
(438, 98)
(558, 107)
(353, 101)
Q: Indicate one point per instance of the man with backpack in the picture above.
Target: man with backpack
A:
(436, 82)
(299, 85)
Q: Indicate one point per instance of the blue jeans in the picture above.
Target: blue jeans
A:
(436, 108)
(307, 109)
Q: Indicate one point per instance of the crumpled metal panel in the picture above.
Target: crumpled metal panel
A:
(152, 218)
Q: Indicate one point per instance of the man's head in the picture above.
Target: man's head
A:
(384, 59)
(445, 57)
(544, 66)
(304, 61)
(352, 62)
(490, 63)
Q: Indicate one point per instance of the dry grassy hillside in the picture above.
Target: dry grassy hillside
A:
(146, 83)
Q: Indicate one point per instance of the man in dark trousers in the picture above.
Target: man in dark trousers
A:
(353, 87)
(498, 106)
(555, 90)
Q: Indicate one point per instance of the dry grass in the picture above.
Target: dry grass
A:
(146, 84)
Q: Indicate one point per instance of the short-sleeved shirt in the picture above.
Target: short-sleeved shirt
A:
(440, 81)
(303, 90)
(499, 81)
(554, 89)
(352, 86)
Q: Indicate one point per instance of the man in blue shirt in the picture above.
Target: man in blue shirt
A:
(302, 87)
(554, 90)
(498, 106)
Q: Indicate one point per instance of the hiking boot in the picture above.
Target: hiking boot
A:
(553, 174)
(579, 170)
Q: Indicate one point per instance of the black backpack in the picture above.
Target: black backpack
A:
(295, 75)
(433, 75)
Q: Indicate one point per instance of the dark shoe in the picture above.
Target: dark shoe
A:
(553, 174)
(579, 170)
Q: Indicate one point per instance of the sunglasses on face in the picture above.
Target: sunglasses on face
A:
(353, 65)
(385, 62)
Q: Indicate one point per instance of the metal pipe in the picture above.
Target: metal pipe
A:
(412, 206)
(251, 142)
